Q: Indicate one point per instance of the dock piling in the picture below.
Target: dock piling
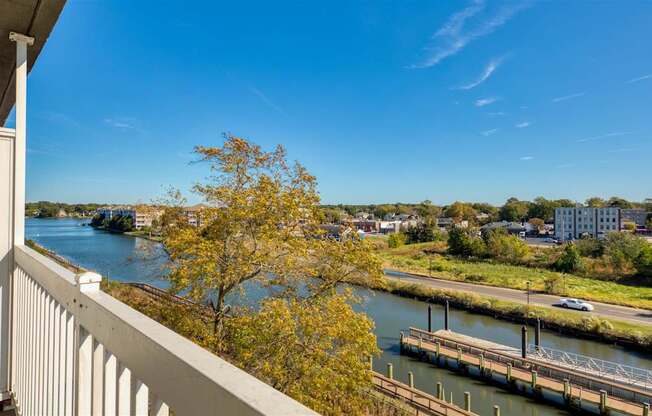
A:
(440, 391)
(429, 318)
(390, 371)
(410, 379)
(534, 379)
(567, 389)
(446, 313)
(496, 410)
(509, 373)
(646, 409)
(537, 334)
(603, 401)
(524, 341)
(467, 401)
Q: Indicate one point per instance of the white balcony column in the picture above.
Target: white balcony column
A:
(12, 192)
(20, 146)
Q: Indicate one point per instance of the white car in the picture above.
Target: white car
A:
(575, 304)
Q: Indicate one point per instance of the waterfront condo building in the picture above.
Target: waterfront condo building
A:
(575, 223)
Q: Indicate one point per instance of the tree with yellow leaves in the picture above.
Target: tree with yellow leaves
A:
(261, 223)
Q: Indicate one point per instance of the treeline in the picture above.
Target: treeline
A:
(616, 256)
(47, 209)
(117, 223)
(512, 210)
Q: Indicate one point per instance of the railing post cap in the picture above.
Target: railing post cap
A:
(88, 281)
(19, 37)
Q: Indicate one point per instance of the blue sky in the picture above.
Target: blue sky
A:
(382, 101)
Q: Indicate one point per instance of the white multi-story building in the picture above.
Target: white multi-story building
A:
(141, 217)
(574, 223)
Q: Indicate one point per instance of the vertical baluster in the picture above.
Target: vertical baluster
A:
(124, 391)
(56, 363)
(61, 381)
(110, 383)
(140, 397)
(18, 325)
(40, 340)
(159, 408)
(49, 368)
(70, 364)
(29, 345)
(84, 372)
(98, 377)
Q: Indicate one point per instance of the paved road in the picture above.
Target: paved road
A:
(622, 313)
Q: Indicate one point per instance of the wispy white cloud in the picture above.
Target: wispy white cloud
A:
(461, 29)
(604, 136)
(623, 150)
(489, 69)
(565, 166)
(497, 114)
(641, 78)
(485, 101)
(527, 157)
(119, 124)
(568, 97)
(522, 124)
(266, 100)
(488, 132)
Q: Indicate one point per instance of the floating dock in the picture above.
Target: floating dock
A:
(531, 374)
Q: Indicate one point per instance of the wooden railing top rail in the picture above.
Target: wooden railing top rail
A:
(434, 404)
(187, 377)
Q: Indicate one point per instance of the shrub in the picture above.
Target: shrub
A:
(623, 249)
(590, 247)
(570, 260)
(462, 243)
(396, 240)
(505, 248)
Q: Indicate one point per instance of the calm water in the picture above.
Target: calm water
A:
(126, 258)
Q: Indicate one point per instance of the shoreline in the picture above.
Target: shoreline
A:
(610, 331)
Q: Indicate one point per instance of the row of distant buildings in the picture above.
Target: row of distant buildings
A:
(569, 223)
(144, 216)
(577, 222)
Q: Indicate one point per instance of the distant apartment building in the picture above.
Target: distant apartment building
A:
(574, 223)
(636, 215)
(141, 217)
(193, 214)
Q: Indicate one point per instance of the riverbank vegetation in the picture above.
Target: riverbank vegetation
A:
(116, 224)
(638, 336)
(432, 259)
(47, 209)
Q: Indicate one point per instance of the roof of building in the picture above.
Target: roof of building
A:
(34, 18)
(503, 224)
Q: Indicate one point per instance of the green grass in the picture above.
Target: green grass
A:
(411, 259)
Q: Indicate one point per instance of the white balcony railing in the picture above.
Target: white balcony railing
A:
(78, 351)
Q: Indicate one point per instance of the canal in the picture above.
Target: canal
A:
(127, 258)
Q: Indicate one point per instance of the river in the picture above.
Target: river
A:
(126, 258)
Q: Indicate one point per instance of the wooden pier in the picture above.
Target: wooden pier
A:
(493, 359)
(422, 403)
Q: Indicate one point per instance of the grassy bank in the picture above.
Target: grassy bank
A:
(411, 258)
(144, 234)
(613, 331)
